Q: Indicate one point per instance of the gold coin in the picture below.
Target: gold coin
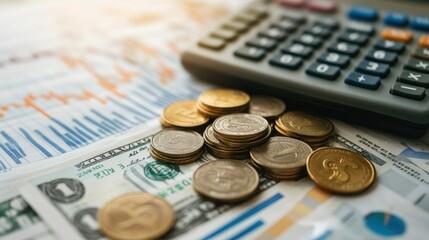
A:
(136, 215)
(184, 114)
(305, 124)
(224, 98)
(265, 106)
(177, 143)
(240, 126)
(339, 170)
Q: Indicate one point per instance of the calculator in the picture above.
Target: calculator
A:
(363, 61)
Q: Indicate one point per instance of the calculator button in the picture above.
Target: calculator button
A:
(296, 17)
(363, 13)
(323, 70)
(286, 61)
(390, 45)
(236, 26)
(336, 59)
(396, 19)
(298, 50)
(363, 80)
(330, 23)
(324, 6)
(345, 48)
(397, 34)
(373, 68)
(319, 30)
(225, 34)
(360, 27)
(247, 18)
(354, 37)
(251, 53)
(262, 42)
(414, 78)
(420, 23)
(212, 43)
(274, 33)
(424, 41)
(286, 25)
(292, 3)
(422, 53)
(309, 40)
(417, 65)
(408, 91)
(382, 56)
(259, 10)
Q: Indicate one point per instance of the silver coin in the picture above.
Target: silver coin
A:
(266, 106)
(175, 142)
(225, 180)
(281, 153)
(240, 125)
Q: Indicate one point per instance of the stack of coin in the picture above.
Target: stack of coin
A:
(311, 129)
(267, 107)
(177, 146)
(226, 181)
(340, 171)
(281, 158)
(184, 114)
(218, 102)
(136, 215)
(221, 150)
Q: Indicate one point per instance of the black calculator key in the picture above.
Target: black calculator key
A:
(212, 43)
(422, 53)
(323, 70)
(360, 27)
(286, 61)
(382, 56)
(262, 42)
(408, 91)
(298, 49)
(236, 26)
(319, 30)
(296, 17)
(354, 37)
(286, 25)
(373, 68)
(225, 34)
(417, 65)
(309, 40)
(336, 59)
(363, 80)
(251, 53)
(330, 23)
(274, 33)
(345, 48)
(414, 78)
(390, 45)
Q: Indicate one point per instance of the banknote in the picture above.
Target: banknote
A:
(71, 195)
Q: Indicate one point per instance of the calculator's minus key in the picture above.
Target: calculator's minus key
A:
(322, 70)
(250, 53)
(408, 91)
(212, 43)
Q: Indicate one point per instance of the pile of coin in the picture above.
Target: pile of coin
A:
(226, 181)
(221, 150)
(217, 102)
(340, 171)
(184, 114)
(176, 146)
(267, 107)
(281, 158)
(313, 130)
(136, 215)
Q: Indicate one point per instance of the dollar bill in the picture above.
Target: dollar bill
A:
(71, 196)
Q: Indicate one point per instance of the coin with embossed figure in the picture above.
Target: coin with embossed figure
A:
(183, 114)
(305, 124)
(341, 171)
(266, 106)
(240, 125)
(136, 215)
(173, 142)
(225, 180)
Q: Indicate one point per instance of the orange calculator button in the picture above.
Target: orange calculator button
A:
(397, 35)
(424, 41)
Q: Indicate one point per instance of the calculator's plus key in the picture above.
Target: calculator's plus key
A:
(420, 23)
(354, 37)
(363, 13)
(398, 35)
(250, 53)
(274, 33)
(262, 42)
(323, 70)
(422, 53)
(296, 17)
(396, 19)
(330, 23)
(360, 27)
(363, 80)
(408, 91)
(344, 48)
(390, 45)
(285, 25)
(417, 65)
(298, 49)
(286, 61)
(373, 68)
(225, 34)
(309, 40)
(382, 56)
(212, 43)
(319, 31)
(336, 59)
(323, 6)
(414, 78)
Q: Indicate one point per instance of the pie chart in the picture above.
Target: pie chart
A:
(385, 224)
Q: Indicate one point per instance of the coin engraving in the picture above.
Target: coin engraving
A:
(175, 142)
(306, 124)
(240, 124)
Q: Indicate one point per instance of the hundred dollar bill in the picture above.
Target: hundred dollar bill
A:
(70, 196)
